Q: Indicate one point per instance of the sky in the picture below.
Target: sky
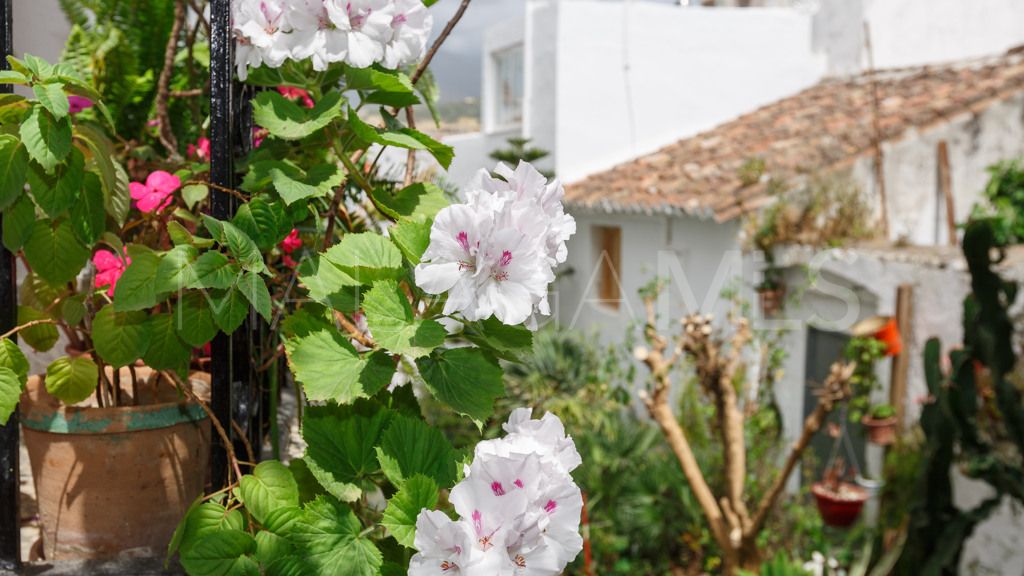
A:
(457, 65)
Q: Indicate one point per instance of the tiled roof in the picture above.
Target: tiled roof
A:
(824, 127)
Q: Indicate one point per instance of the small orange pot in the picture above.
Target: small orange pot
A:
(889, 334)
(881, 431)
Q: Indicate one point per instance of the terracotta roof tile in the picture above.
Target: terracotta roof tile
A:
(826, 126)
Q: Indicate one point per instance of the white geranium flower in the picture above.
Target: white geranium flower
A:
(261, 27)
(367, 26)
(410, 27)
(520, 507)
(314, 36)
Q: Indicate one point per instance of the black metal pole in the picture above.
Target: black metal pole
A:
(10, 530)
(221, 207)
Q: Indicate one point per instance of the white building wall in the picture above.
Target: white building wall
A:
(635, 76)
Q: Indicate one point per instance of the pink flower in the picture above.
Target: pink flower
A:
(109, 269)
(258, 134)
(292, 242)
(155, 194)
(201, 149)
(78, 103)
(289, 261)
(293, 93)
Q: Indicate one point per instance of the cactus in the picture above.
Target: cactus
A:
(976, 419)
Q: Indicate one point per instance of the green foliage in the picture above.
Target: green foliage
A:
(518, 150)
(780, 565)
(866, 352)
(1005, 195)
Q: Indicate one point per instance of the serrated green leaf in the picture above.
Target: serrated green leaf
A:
(52, 97)
(309, 488)
(13, 169)
(194, 320)
(12, 357)
(366, 257)
(72, 309)
(286, 120)
(229, 309)
(222, 553)
(340, 450)
(193, 194)
(270, 546)
(40, 337)
(401, 138)
(264, 221)
(327, 284)
(120, 338)
(243, 248)
(166, 350)
(418, 492)
(281, 520)
(57, 192)
(420, 201)
(252, 286)
(270, 486)
(318, 182)
(136, 289)
(116, 196)
(504, 341)
(10, 393)
(88, 215)
(72, 379)
(215, 271)
(175, 271)
(465, 379)
(329, 537)
(329, 368)
(203, 518)
(419, 448)
(19, 220)
(391, 321)
(412, 238)
(55, 254)
(46, 139)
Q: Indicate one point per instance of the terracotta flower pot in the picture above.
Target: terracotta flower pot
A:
(889, 334)
(772, 299)
(113, 481)
(881, 431)
(839, 507)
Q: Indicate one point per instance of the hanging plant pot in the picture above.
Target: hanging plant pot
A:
(839, 504)
(883, 329)
(772, 298)
(115, 480)
(880, 431)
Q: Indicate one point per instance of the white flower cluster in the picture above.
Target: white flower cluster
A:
(495, 254)
(358, 32)
(519, 508)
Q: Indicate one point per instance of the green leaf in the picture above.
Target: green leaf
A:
(88, 215)
(309, 487)
(57, 192)
(213, 270)
(116, 196)
(340, 447)
(12, 357)
(329, 538)
(318, 182)
(41, 337)
(366, 79)
(263, 221)
(72, 379)
(19, 221)
(229, 309)
(13, 169)
(419, 448)
(417, 493)
(270, 486)
(55, 254)
(13, 77)
(465, 379)
(366, 257)
(136, 289)
(401, 138)
(282, 520)
(10, 393)
(329, 368)
(193, 194)
(286, 120)
(222, 553)
(120, 338)
(504, 341)
(202, 519)
(194, 320)
(166, 351)
(390, 319)
(270, 546)
(174, 271)
(252, 286)
(47, 140)
(72, 309)
(420, 201)
(327, 284)
(412, 238)
(52, 97)
(242, 247)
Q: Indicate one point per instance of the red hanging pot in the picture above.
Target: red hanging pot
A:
(839, 505)
(889, 334)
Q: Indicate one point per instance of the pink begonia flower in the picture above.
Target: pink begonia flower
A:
(109, 269)
(292, 242)
(155, 194)
(201, 149)
(258, 135)
(78, 103)
(293, 93)
(289, 261)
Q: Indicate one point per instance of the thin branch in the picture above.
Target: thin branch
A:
(353, 331)
(245, 441)
(225, 189)
(163, 85)
(27, 325)
(192, 93)
(410, 157)
(176, 383)
(437, 43)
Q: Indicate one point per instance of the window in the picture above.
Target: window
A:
(508, 86)
(608, 246)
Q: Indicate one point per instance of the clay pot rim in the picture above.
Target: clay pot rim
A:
(820, 491)
(37, 415)
(872, 422)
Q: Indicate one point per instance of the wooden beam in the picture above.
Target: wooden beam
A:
(946, 187)
(901, 363)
